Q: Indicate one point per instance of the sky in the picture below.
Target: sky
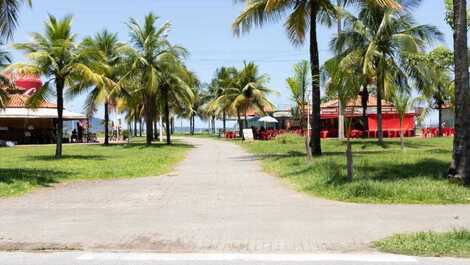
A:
(204, 28)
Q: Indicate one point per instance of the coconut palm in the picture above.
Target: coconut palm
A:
(250, 93)
(56, 56)
(299, 84)
(342, 82)
(225, 79)
(9, 13)
(108, 45)
(380, 37)
(405, 103)
(461, 156)
(302, 18)
(175, 88)
(152, 50)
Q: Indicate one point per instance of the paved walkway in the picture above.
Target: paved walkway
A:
(217, 200)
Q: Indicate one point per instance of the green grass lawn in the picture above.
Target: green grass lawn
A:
(381, 174)
(23, 168)
(429, 244)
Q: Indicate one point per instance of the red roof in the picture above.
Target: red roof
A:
(19, 101)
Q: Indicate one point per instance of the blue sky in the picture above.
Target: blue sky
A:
(204, 28)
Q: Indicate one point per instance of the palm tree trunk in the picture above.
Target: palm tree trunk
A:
(224, 121)
(191, 124)
(155, 129)
(240, 124)
(60, 122)
(380, 90)
(402, 138)
(341, 105)
(349, 160)
(315, 141)
(341, 110)
(167, 117)
(213, 125)
(365, 102)
(148, 122)
(106, 123)
(349, 154)
(461, 156)
(246, 118)
(439, 109)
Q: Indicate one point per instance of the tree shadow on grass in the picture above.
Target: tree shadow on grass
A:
(276, 156)
(385, 172)
(155, 146)
(64, 157)
(37, 177)
(363, 144)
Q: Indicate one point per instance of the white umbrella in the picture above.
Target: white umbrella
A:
(268, 119)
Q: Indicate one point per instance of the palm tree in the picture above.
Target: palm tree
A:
(342, 82)
(437, 83)
(404, 104)
(299, 84)
(9, 11)
(55, 55)
(302, 16)
(5, 59)
(175, 88)
(250, 93)
(108, 45)
(224, 80)
(380, 37)
(145, 63)
(461, 157)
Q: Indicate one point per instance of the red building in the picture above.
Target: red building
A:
(365, 125)
(24, 125)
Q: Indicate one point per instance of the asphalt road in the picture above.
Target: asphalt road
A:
(81, 258)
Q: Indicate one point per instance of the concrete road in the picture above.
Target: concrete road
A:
(75, 258)
(217, 200)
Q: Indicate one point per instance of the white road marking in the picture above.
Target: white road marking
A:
(247, 257)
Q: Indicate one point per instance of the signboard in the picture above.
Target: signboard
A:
(248, 135)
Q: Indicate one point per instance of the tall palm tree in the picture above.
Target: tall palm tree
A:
(302, 18)
(250, 93)
(461, 157)
(225, 79)
(145, 62)
(175, 88)
(108, 45)
(9, 13)
(56, 56)
(381, 36)
(299, 84)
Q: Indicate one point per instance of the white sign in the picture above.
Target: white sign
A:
(248, 135)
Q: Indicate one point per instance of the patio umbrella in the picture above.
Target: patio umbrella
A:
(268, 119)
